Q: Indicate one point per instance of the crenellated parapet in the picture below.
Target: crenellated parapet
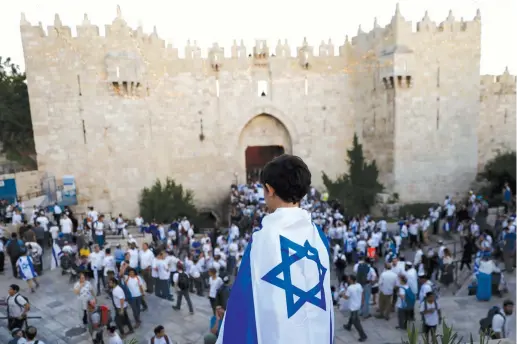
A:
(376, 49)
(400, 31)
(498, 84)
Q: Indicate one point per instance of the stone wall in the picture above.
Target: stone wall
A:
(121, 110)
(27, 183)
(496, 125)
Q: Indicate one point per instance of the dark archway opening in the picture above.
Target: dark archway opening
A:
(205, 220)
(257, 157)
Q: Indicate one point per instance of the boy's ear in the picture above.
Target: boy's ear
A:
(269, 190)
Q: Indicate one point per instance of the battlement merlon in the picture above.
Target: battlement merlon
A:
(399, 28)
(497, 83)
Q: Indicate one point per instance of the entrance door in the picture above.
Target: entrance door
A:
(257, 157)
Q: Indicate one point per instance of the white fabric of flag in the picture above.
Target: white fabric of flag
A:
(282, 292)
(56, 256)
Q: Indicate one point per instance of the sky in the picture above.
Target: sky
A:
(209, 21)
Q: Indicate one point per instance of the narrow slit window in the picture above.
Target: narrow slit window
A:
(84, 132)
(374, 119)
(306, 86)
(217, 88)
(79, 84)
(262, 88)
(437, 113)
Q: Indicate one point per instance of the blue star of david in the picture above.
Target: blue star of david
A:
(284, 267)
(25, 266)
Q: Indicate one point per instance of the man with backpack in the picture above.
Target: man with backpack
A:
(159, 336)
(15, 248)
(120, 304)
(17, 308)
(495, 324)
(431, 315)
(405, 302)
(223, 293)
(365, 276)
(182, 283)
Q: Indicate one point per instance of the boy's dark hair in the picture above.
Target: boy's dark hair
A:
(289, 176)
(108, 250)
(31, 332)
(158, 329)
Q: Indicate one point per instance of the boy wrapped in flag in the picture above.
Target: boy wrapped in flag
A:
(282, 292)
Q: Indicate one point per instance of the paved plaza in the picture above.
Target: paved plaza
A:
(58, 306)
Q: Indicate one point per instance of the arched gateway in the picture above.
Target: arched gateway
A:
(262, 138)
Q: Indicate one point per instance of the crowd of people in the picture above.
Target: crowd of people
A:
(172, 261)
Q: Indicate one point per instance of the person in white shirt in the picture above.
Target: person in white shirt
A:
(215, 282)
(418, 256)
(162, 282)
(139, 222)
(17, 218)
(30, 335)
(159, 336)
(195, 274)
(54, 233)
(109, 264)
(233, 247)
(431, 315)
(146, 257)
(93, 214)
(387, 282)
(57, 213)
(500, 322)
(412, 277)
(66, 227)
(113, 336)
(181, 282)
(98, 227)
(354, 295)
(136, 287)
(133, 256)
(120, 303)
(426, 286)
(96, 259)
(121, 224)
(402, 303)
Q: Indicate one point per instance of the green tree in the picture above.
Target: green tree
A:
(497, 172)
(165, 202)
(357, 189)
(16, 135)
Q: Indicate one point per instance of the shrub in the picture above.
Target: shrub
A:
(165, 202)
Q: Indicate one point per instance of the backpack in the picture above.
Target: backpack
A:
(362, 273)
(16, 300)
(340, 262)
(485, 324)
(183, 282)
(164, 337)
(16, 249)
(127, 292)
(409, 298)
(222, 296)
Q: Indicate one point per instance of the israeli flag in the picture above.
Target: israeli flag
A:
(260, 190)
(282, 292)
(56, 256)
